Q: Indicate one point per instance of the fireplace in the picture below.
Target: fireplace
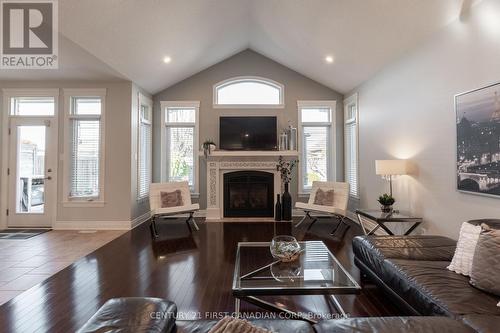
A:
(248, 194)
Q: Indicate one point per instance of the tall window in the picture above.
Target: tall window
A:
(180, 142)
(144, 148)
(351, 144)
(84, 144)
(316, 142)
(248, 92)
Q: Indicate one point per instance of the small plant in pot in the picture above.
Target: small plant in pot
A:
(386, 201)
(208, 147)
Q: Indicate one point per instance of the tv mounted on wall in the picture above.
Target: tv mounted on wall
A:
(248, 133)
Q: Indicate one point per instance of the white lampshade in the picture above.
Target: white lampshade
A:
(391, 167)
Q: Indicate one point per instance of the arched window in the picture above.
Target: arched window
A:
(248, 92)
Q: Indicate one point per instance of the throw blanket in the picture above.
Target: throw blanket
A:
(235, 325)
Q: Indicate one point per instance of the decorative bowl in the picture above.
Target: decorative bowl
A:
(285, 248)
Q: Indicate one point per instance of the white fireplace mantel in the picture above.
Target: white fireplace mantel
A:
(252, 153)
(221, 162)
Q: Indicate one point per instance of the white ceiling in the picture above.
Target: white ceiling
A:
(132, 37)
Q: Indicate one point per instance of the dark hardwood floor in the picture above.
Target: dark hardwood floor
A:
(193, 270)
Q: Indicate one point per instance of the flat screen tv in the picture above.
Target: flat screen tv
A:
(248, 133)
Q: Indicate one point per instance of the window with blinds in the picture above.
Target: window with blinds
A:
(316, 144)
(351, 145)
(85, 146)
(180, 136)
(144, 152)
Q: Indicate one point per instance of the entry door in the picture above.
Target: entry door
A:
(32, 163)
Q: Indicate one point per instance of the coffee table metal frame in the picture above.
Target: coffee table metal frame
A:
(250, 294)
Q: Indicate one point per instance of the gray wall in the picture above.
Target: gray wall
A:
(199, 87)
(117, 180)
(407, 111)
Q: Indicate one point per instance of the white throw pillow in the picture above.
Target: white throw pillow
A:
(462, 259)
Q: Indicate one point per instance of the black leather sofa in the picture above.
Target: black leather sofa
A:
(154, 315)
(412, 270)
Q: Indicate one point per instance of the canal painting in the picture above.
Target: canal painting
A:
(478, 141)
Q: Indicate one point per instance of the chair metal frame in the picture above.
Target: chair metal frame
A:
(338, 210)
(158, 212)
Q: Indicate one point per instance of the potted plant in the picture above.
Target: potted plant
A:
(208, 147)
(386, 201)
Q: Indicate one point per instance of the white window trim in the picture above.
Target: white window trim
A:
(264, 80)
(195, 192)
(83, 202)
(332, 170)
(143, 100)
(352, 100)
(8, 93)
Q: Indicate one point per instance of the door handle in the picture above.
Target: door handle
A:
(48, 178)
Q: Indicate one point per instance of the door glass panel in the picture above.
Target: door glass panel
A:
(32, 106)
(30, 182)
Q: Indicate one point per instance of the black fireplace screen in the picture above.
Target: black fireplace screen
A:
(248, 194)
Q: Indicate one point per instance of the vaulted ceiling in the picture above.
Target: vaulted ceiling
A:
(132, 37)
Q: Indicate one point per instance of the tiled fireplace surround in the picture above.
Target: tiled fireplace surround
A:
(220, 163)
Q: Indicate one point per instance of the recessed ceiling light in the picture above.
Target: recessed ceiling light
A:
(329, 59)
(167, 60)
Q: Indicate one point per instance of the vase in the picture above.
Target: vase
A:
(286, 204)
(277, 209)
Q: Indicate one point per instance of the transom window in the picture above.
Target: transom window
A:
(248, 92)
(316, 142)
(32, 106)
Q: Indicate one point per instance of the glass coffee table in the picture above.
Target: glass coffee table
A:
(316, 272)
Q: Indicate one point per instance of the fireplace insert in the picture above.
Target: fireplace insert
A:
(248, 194)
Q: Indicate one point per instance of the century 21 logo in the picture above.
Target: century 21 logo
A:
(29, 34)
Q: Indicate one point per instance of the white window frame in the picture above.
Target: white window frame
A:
(239, 79)
(332, 156)
(69, 201)
(164, 105)
(143, 100)
(6, 116)
(349, 102)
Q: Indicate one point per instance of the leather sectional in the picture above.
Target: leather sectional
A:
(412, 269)
(154, 315)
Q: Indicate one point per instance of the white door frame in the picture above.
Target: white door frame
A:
(5, 149)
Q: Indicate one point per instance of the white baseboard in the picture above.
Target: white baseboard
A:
(92, 225)
(140, 219)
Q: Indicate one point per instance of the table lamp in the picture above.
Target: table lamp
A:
(391, 168)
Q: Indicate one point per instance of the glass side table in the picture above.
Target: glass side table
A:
(381, 219)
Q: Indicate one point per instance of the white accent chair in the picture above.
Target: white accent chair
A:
(158, 212)
(338, 209)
